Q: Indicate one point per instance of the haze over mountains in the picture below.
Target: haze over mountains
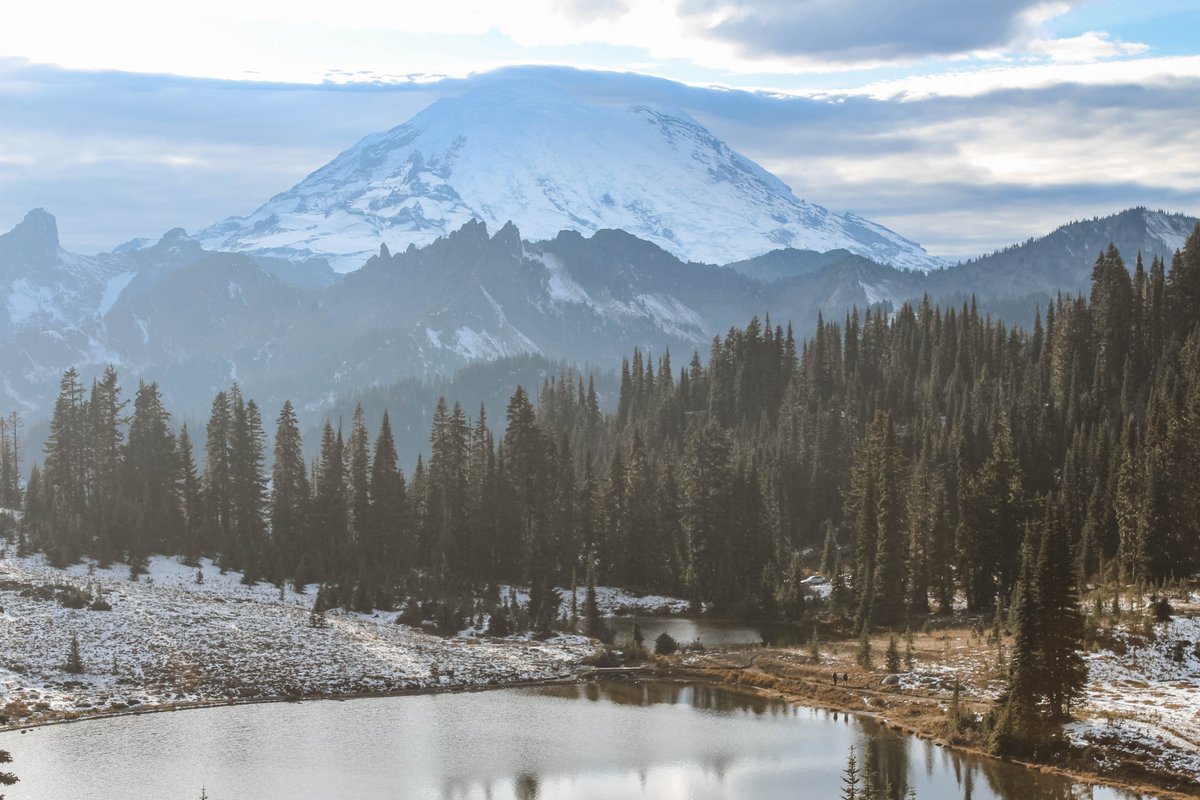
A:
(572, 278)
(196, 320)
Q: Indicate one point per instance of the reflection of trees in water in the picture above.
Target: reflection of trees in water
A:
(888, 755)
(527, 787)
(947, 773)
(699, 696)
(460, 789)
(929, 754)
(711, 698)
(1009, 781)
(716, 765)
(1002, 780)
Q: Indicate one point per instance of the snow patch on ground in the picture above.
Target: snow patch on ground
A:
(876, 294)
(1159, 226)
(611, 600)
(170, 639)
(112, 290)
(1146, 700)
(671, 315)
(472, 344)
(559, 283)
(817, 586)
(27, 301)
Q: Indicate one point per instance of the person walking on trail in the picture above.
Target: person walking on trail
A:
(835, 679)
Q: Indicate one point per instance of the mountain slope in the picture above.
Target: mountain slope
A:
(531, 153)
(1063, 259)
(466, 297)
(42, 285)
(195, 320)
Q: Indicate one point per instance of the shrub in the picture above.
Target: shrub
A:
(73, 597)
(665, 645)
(74, 663)
(892, 658)
(1161, 609)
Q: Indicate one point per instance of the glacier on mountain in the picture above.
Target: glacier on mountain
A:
(537, 155)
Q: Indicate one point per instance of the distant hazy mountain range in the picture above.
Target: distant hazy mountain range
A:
(196, 320)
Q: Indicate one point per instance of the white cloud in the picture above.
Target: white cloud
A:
(985, 80)
(1087, 48)
(306, 40)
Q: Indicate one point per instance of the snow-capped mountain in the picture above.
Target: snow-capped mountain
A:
(539, 156)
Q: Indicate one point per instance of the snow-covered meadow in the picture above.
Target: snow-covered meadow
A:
(1142, 700)
(170, 639)
(611, 601)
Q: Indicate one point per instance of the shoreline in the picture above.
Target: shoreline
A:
(215, 656)
(796, 694)
(713, 676)
(191, 705)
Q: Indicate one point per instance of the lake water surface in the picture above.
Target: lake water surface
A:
(684, 630)
(594, 741)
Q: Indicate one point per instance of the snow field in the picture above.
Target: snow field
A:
(610, 600)
(169, 639)
(1144, 703)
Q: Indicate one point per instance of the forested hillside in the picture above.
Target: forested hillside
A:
(917, 451)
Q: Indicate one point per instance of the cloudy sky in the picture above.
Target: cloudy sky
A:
(964, 125)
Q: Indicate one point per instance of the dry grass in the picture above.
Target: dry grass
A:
(917, 700)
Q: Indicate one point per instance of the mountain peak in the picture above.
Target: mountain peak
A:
(35, 238)
(548, 159)
(172, 236)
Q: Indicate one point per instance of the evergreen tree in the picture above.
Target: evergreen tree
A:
(707, 481)
(1061, 623)
(74, 663)
(850, 777)
(387, 533)
(329, 524)
(593, 624)
(358, 471)
(64, 479)
(290, 495)
(1019, 728)
(191, 499)
(218, 478)
(892, 657)
(150, 485)
(247, 547)
(108, 511)
(10, 461)
(6, 778)
(1183, 287)
(448, 485)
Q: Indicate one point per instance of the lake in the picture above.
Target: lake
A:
(592, 741)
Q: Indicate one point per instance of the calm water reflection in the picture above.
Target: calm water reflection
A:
(589, 741)
(710, 633)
